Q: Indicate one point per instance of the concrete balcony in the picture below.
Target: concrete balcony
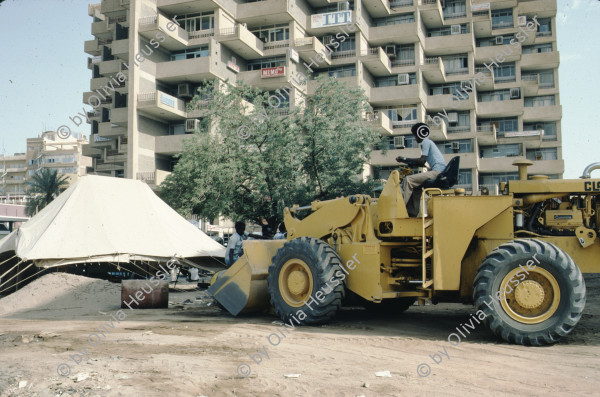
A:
(120, 49)
(377, 8)
(110, 130)
(530, 85)
(438, 132)
(109, 68)
(487, 82)
(394, 95)
(547, 167)
(102, 82)
(309, 47)
(433, 70)
(484, 54)
(261, 78)
(103, 167)
(449, 44)
(193, 70)
(169, 144)
(102, 30)
(431, 12)
(119, 116)
(92, 47)
(176, 38)
(380, 122)
(161, 105)
(541, 8)
(543, 60)
(91, 151)
(487, 135)
(482, 23)
(404, 33)
(274, 11)
(511, 107)
(94, 101)
(113, 6)
(499, 164)
(447, 101)
(467, 160)
(241, 41)
(376, 61)
(542, 113)
(152, 178)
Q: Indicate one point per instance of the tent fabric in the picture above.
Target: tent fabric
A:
(105, 219)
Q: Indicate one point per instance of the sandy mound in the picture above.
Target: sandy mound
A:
(57, 291)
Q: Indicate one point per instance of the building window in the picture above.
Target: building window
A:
(535, 101)
(339, 72)
(494, 178)
(266, 63)
(465, 146)
(549, 153)
(537, 49)
(446, 31)
(455, 9)
(388, 81)
(465, 177)
(491, 41)
(271, 33)
(403, 116)
(511, 150)
(505, 73)
(177, 129)
(394, 20)
(190, 53)
(503, 125)
(545, 28)
(445, 89)
(405, 55)
(502, 18)
(197, 22)
(544, 77)
(549, 128)
(491, 96)
(334, 7)
(456, 64)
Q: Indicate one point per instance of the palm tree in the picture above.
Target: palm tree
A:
(44, 187)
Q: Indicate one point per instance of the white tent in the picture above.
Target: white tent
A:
(104, 219)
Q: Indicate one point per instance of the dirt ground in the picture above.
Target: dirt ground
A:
(195, 349)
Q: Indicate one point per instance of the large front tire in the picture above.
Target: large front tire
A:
(531, 292)
(300, 270)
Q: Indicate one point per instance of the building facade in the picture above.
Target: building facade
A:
(483, 75)
(46, 151)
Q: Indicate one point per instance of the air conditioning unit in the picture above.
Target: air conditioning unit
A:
(344, 6)
(192, 125)
(184, 90)
(403, 79)
(522, 20)
(399, 142)
(455, 29)
(453, 117)
(390, 50)
(515, 93)
(455, 147)
(499, 40)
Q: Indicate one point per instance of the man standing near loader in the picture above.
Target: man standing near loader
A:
(234, 246)
(430, 154)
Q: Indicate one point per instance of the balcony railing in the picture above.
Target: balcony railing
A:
(201, 33)
(148, 176)
(151, 20)
(343, 54)
(455, 15)
(98, 138)
(400, 3)
(457, 71)
(403, 62)
(543, 34)
(276, 44)
(228, 31)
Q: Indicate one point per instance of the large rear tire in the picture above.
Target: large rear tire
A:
(531, 292)
(300, 270)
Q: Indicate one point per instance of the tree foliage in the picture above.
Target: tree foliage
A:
(257, 159)
(44, 187)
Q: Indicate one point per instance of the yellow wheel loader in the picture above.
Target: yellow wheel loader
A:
(517, 256)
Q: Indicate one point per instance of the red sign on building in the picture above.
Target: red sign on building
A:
(272, 72)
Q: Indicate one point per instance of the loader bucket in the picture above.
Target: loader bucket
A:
(243, 287)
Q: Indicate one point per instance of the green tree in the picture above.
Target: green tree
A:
(257, 159)
(44, 187)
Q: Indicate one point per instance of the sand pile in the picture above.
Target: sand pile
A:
(61, 291)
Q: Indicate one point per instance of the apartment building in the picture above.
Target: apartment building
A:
(46, 151)
(12, 178)
(484, 75)
(62, 155)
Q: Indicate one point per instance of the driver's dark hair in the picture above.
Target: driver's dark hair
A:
(240, 225)
(415, 127)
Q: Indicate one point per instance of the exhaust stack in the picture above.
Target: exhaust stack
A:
(588, 170)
